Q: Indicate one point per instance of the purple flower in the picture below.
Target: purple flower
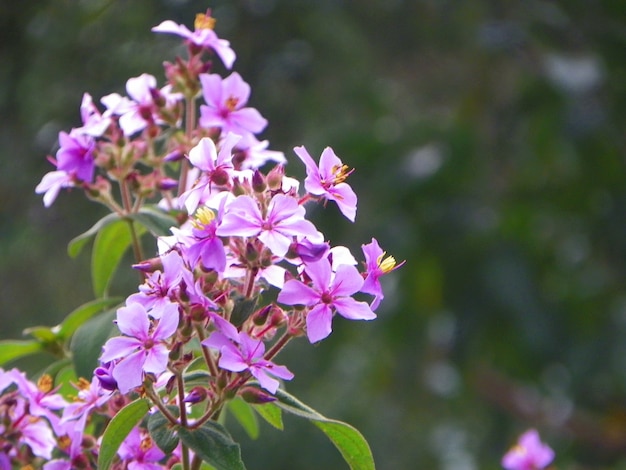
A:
(143, 349)
(75, 156)
(215, 166)
(203, 36)
(225, 105)
(376, 265)
(253, 154)
(327, 294)
(528, 454)
(239, 352)
(94, 123)
(162, 288)
(51, 183)
(206, 245)
(284, 220)
(139, 451)
(329, 179)
(137, 114)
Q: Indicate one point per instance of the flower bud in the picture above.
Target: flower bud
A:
(258, 182)
(196, 395)
(251, 252)
(260, 316)
(256, 396)
(275, 178)
(174, 354)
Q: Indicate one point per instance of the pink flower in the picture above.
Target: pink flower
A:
(327, 294)
(376, 266)
(528, 454)
(239, 352)
(51, 183)
(203, 36)
(284, 220)
(328, 180)
(225, 105)
(143, 349)
(139, 451)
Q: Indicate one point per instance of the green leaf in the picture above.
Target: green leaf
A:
(43, 334)
(245, 416)
(76, 244)
(162, 431)
(86, 345)
(213, 444)
(110, 245)
(242, 309)
(270, 413)
(155, 220)
(350, 442)
(14, 349)
(117, 430)
(83, 313)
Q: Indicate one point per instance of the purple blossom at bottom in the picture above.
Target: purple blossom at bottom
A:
(528, 454)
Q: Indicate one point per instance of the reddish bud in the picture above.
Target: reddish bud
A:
(258, 182)
(256, 396)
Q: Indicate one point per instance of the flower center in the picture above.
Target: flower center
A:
(203, 216)
(327, 298)
(231, 103)
(44, 384)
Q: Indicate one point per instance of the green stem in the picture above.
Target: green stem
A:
(208, 357)
(159, 404)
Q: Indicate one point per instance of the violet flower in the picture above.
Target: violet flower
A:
(329, 179)
(143, 349)
(284, 220)
(328, 293)
(225, 105)
(139, 452)
(376, 266)
(203, 36)
(239, 352)
(215, 167)
(528, 454)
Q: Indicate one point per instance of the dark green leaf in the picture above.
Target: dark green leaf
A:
(155, 220)
(118, 428)
(242, 309)
(83, 313)
(213, 444)
(76, 244)
(271, 413)
(14, 349)
(350, 442)
(110, 245)
(86, 345)
(245, 416)
(162, 431)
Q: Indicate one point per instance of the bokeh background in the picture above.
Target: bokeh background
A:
(489, 147)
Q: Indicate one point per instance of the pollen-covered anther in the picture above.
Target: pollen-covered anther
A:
(204, 21)
(386, 264)
(204, 216)
(146, 444)
(83, 384)
(341, 173)
(45, 383)
(231, 103)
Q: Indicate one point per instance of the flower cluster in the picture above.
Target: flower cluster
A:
(241, 272)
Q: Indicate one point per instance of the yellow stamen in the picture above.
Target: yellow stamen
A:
(341, 173)
(204, 216)
(83, 384)
(386, 264)
(45, 383)
(231, 103)
(146, 444)
(204, 21)
(64, 442)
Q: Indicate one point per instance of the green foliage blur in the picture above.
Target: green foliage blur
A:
(489, 147)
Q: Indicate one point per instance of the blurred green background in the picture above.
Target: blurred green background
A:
(489, 147)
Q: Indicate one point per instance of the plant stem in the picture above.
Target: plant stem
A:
(208, 357)
(190, 123)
